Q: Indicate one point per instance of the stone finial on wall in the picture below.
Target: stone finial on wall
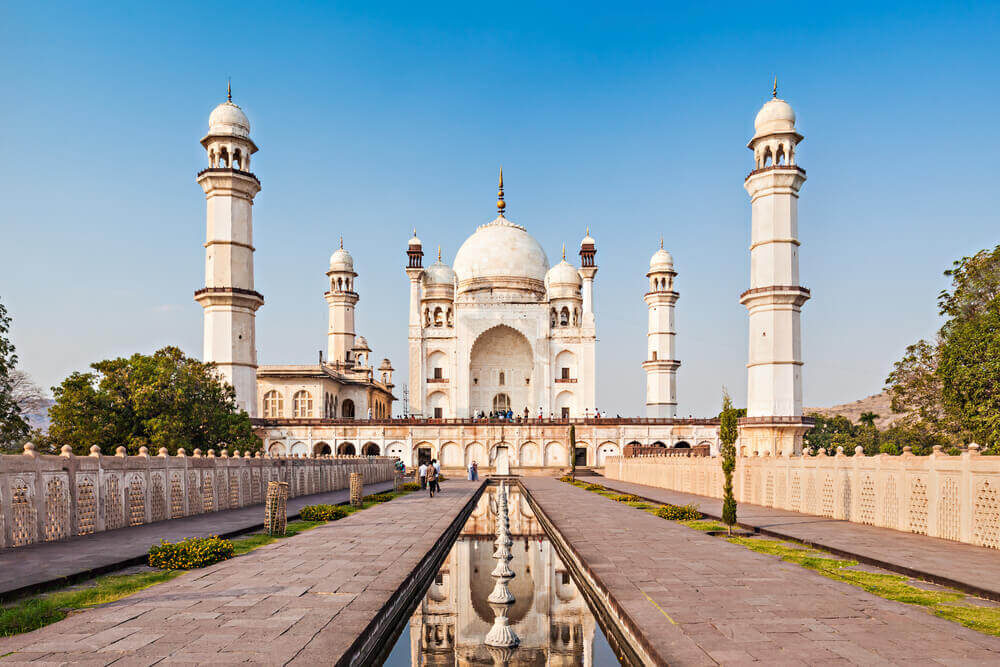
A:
(356, 489)
(66, 451)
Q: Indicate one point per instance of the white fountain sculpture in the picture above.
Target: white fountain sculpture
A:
(501, 634)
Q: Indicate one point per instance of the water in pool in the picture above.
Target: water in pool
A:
(550, 615)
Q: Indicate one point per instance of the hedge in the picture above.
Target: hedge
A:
(322, 513)
(190, 553)
(678, 512)
(379, 498)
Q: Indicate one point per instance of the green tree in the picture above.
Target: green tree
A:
(868, 418)
(13, 427)
(161, 400)
(572, 452)
(728, 432)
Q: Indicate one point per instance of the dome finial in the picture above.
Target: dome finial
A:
(661, 243)
(341, 241)
(564, 251)
(501, 204)
(229, 89)
(774, 91)
(439, 253)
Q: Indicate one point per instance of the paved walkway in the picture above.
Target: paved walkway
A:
(699, 600)
(37, 565)
(304, 599)
(967, 567)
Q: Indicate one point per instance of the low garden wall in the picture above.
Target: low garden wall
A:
(953, 497)
(45, 498)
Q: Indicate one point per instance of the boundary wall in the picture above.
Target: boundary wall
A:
(45, 498)
(951, 497)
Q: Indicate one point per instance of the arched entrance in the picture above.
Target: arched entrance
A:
(370, 449)
(682, 445)
(501, 363)
(346, 449)
(347, 409)
(322, 449)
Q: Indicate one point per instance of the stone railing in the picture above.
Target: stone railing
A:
(45, 498)
(952, 497)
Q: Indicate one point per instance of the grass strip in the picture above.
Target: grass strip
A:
(888, 586)
(36, 612)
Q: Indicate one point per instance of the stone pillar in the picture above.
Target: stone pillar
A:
(357, 488)
(275, 508)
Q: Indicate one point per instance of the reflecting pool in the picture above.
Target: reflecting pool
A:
(550, 615)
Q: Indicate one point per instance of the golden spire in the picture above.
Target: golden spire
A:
(501, 204)
(588, 230)
(564, 251)
(229, 89)
(414, 232)
(439, 253)
(774, 92)
(661, 243)
(341, 241)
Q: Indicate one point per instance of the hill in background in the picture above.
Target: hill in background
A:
(880, 404)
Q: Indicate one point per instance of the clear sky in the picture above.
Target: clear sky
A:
(375, 118)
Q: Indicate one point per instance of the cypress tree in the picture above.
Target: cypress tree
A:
(728, 433)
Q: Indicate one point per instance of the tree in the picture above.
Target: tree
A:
(728, 433)
(868, 418)
(572, 452)
(13, 427)
(161, 400)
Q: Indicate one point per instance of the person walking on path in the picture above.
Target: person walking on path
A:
(475, 471)
(422, 471)
(471, 478)
(432, 483)
(437, 474)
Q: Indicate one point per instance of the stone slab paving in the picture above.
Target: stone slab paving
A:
(965, 566)
(303, 599)
(700, 600)
(49, 562)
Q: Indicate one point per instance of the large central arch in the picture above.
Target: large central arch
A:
(501, 362)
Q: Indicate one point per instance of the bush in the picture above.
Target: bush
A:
(678, 512)
(190, 553)
(565, 478)
(628, 498)
(379, 498)
(594, 487)
(411, 486)
(322, 513)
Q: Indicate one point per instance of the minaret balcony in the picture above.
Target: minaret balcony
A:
(775, 294)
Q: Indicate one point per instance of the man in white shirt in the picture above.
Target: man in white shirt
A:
(422, 471)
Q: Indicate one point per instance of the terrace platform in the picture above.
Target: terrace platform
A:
(692, 599)
(967, 567)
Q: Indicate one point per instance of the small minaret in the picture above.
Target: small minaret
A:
(774, 373)
(660, 365)
(229, 298)
(415, 270)
(341, 299)
(588, 269)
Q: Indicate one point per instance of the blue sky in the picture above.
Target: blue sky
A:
(631, 119)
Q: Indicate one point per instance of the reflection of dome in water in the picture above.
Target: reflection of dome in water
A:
(522, 586)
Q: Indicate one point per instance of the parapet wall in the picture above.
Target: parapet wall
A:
(952, 497)
(46, 498)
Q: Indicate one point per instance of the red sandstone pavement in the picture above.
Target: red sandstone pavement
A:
(964, 566)
(303, 599)
(700, 600)
(49, 562)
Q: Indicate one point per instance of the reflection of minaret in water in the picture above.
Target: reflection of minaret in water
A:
(501, 635)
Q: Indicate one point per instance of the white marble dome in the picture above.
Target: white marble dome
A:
(661, 261)
(227, 119)
(341, 260)
(361, 343)
(498, 252)
(563, 273)
(776, 115)
(439, 273)
(414, 241)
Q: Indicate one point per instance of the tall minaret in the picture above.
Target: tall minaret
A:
(341, 299)
(660, 365)
(229, 298)
(774, 421)
(588, 325)
(415, 270)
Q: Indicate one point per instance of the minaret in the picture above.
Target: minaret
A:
(660, 365)
(774, 421)
(229, 298)
(341, 299)
(415, 270)
(588, 324)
